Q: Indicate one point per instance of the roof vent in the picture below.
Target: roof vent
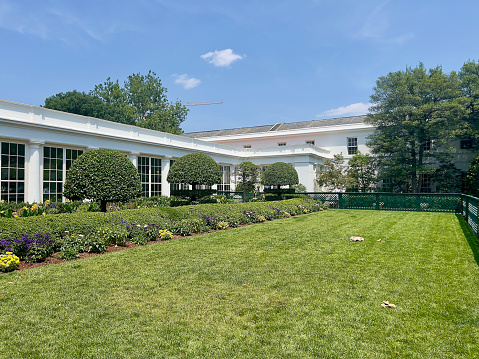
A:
(276, 126)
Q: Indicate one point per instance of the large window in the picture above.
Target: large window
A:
(352, 145)
(56, 163)
(225, 184)
(72, 155)
(12, 163)
(52, 174)
(150, 174)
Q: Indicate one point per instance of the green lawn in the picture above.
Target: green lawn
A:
(292, 288)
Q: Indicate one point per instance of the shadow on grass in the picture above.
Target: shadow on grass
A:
(470, 237)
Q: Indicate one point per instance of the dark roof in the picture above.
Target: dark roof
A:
(279, 127)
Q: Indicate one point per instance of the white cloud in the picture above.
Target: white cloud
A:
(186, 82)
(354, 109)
(222, 58)
(377, 26)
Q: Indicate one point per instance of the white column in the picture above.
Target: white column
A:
(306, 174)
(133, 156)
(165, 168)
(34, 178)
(232, 178)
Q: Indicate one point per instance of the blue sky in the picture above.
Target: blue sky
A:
(268, 61)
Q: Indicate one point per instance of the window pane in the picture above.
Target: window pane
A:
(13, 149)
(21, 150)
(5, 148)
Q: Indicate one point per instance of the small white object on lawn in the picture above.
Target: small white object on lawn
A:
(356, 239)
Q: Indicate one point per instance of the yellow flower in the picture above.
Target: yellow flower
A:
(44, 214)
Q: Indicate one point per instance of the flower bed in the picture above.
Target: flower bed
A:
(70, 235)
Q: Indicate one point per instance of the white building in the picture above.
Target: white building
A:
(38, 146)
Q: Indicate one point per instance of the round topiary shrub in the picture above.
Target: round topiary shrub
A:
(280, 174)
(195, 169)
(102, 175)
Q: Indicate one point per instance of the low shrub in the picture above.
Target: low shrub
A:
(95, 244)
(72, 245)
(115, 235)
(165, 235)
(8, 262)
(30, 248)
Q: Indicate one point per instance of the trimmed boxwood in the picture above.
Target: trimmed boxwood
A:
(280, 174)
(103, 175)
(195, 169)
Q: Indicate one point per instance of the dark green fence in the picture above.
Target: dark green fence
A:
(465, 205)
(469, 211)
(425, 202)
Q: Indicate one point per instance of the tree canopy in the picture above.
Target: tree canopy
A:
(141, 102)
(361, 173)
(280, 174)
(195, 169)
(248, 175)
(415, 113)
(472, 178)
(333, 173)
(102, 175)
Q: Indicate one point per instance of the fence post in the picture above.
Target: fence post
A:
(467, 209)
(377, 202)
(340, 200)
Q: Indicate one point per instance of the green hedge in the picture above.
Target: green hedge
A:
(164, 217)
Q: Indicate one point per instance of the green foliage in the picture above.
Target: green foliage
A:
(195, 169)
(299, 188)
(248, 176)
(280, 174)
(84, 104)
(472, 178)
(415, 114)
(71, 245)
(115, 235)
(95, 243)
(361, 173)
(143, 102)
(333, 173)
(469, 77)
(104, 175)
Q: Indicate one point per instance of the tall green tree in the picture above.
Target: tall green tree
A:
(415, 113)
(84, 104)
(333, 173)
(469, 77)
(248, 175)
(472, 178)
(361, 173)
(141, 101)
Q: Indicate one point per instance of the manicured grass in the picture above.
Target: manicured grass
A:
(293, 288)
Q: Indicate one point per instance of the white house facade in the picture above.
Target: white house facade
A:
(38, 146)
